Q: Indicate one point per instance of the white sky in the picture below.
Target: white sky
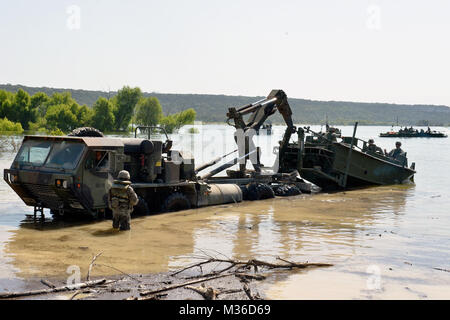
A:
(374, 51)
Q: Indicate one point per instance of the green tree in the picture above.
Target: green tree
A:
(148, 112)
(103, 117)
(38, 100)
(5, 103)
(61, 117)
(9, 126)
(125, 102)
(21, 109)
(175, 121)
(84, 116)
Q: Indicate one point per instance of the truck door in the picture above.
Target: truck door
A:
(98, 177)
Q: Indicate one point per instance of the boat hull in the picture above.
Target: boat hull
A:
(326, 167)
(413, 135)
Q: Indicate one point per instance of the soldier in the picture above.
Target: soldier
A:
(395, 153)
(121, 201)
(372, 147)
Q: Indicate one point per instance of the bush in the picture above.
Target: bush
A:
(56, 132)
(9, 126)
(176, 121)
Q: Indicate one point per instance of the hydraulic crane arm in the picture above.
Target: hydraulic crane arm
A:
(259, 112)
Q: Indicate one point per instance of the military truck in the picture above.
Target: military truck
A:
(73, 174)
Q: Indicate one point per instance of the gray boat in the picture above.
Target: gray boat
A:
(333, 165)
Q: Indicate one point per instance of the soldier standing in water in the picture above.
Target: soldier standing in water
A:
(121, 200)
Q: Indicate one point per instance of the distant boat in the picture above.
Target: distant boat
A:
(413, 133)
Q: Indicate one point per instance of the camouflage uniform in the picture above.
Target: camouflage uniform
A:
(395, 153)
(122, 199)
(374, 148)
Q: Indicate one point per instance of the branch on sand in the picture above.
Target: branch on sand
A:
(180, 285)
(88, 278)
(72, 287)
(48, 283)
(255, 264)
(441, 269)
(249, 293)
(209, 293)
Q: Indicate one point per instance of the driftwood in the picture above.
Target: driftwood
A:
(253, 263)
(153, 297)
(124, 273)
(88, 278)
(208, 293)
(48, 283)
(249, 294)
(440, 269)
(77, 286)
(176, 286)
(248, 276)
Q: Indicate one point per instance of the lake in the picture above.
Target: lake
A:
(390, 242)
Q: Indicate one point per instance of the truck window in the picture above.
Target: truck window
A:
(34, 153)
(98, 161)
(65, 155)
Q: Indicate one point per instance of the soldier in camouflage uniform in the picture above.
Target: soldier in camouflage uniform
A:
(372, 147)
(121, 201)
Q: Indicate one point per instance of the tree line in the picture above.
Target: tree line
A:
(213, 108)
(59, 113)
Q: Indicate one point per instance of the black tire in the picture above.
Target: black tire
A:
(175, 202)
(258, 191)
(86, 132)
(56, 215)
(286, 190)
(141, 209)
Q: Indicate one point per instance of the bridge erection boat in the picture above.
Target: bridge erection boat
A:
(345, 164)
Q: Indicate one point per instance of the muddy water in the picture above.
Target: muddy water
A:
(384, 242)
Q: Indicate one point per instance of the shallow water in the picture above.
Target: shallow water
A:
(384, 241)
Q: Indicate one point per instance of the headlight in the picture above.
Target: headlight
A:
(61, 183)
(14, 178)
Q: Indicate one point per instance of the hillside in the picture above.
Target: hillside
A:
(212, 108)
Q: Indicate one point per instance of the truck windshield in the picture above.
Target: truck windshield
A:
(51, 154)
(64, 155)
(34, 152)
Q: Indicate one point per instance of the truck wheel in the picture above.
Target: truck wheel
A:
(175, 202)
(286, 190)
(258, 191)
(141, 209)
(55, 214)
(86, 132)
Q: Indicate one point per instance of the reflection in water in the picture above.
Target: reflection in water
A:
(323, 227)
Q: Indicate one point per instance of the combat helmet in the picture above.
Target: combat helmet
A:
(123, 177)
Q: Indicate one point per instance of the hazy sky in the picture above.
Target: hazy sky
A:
(384, 51)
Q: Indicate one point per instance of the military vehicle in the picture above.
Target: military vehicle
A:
(73, 174)
(326, 159)
(413, 133)
(333, 162)
(266, 182)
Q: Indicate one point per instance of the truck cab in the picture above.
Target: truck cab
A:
(65, 174)
(73, 175)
